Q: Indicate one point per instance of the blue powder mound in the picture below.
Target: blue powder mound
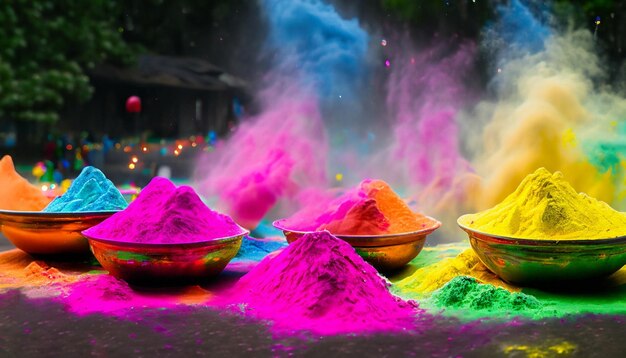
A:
(90, 191)
(256, 249)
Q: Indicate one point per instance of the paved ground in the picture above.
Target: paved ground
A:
(43, 328)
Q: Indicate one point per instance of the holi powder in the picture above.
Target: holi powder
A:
(256, 249)
(320, 284)
(425, 280)
(18, 269)
(16, 193)
(90, 191)
(467, 292)
(109, 295)
(372, 208)
(164, 214)
(545, 206)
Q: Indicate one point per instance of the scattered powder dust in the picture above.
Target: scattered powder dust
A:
(107, 294)
(320, 284)
(164, 214)
(90, 191)
(545, 206)
(372, 208)
(19, 269)
(467, 292)
(256, 249)
(432, 277)
(16, 193)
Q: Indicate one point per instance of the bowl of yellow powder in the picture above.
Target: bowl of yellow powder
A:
(547, 232)
(372, 218)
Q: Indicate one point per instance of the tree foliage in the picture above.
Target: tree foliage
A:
(45, 47)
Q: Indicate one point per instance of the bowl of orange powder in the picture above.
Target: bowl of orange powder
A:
(372, 218)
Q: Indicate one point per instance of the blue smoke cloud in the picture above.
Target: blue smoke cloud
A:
(327, 50)
(519, 27)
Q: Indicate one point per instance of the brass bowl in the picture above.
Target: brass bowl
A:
(538, 261)
(385, 252)
(143, 263)
(38, 232)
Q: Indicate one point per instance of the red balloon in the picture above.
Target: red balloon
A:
(133, 104)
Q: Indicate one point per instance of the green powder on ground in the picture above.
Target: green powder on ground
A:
(467, 292)
(605, 296)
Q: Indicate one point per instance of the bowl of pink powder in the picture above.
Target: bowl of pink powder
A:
(372, 218)
(166, 234)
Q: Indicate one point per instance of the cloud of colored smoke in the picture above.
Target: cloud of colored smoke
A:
(425, 92)
(547, 110)
(283, 150)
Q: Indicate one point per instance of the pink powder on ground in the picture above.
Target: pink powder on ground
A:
(319, 283)
(109, 295)
(164, 214)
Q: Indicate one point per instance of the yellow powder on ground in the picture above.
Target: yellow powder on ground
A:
(545, 206)
(16, 193)
(430, 278)
(19, 269)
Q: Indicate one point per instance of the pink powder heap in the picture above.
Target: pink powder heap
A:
(319, 283)
(164, 214)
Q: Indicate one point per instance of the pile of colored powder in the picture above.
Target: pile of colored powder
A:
(432, 277)
(107, 294)
(90, 191)
(545, 206)
(372, 208)
(16, 193)
(18, 269)
(467, 292)
(256, 249)
(164, 214)
(320, 284)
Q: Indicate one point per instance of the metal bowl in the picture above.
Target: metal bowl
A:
(140, 262)
(385, 252)
(38, 232)
(539, 261)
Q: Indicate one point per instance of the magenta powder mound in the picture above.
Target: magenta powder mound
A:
(320, 284)
(164, 214)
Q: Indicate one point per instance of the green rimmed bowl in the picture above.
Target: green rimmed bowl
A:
(544, 261)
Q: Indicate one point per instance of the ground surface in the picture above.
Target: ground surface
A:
(41, 327)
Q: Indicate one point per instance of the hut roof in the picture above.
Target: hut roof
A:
(181, 72)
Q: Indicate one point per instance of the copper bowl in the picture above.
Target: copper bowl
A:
(386, 253)
(38, 232)
(546, 261)
(141, 262)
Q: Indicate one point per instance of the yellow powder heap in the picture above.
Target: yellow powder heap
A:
(430, 278)
(16, 193)
(545, 206)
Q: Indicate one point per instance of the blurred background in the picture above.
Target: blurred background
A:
(155, 87)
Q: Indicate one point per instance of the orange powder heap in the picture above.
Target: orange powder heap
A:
(16, 193)
(372, 208)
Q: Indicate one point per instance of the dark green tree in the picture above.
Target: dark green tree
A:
(45, 48)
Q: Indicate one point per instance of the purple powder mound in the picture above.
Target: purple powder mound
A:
(164, 214)
(320, 284)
